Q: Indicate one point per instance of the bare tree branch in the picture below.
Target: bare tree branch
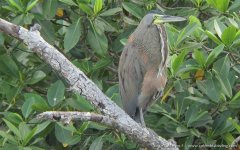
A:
(67, 117)
(78, 82)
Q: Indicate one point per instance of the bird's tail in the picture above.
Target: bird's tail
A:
(139, 117)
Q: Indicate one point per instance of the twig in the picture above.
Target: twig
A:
(67, 117)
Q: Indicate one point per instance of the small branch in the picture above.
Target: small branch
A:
(78, 82)
(67, 117)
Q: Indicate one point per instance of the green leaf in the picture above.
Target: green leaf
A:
(233, 22)
(49, 8)
(228, 138)
(12, 128)
(113, 93)
(27, 106)
(83, 127)
(42, 126)
(80, 103)
(97, 6)
(235, 124)
(198, 32)
(9, 137)
(222, 68)
(85, 8)
(133, 9)
(229, 35)
(97, 41)
(102, 63)
(55, 93)
(72, 35)
(26, 133)
(111, 12)
(221, 125)
(219, 27)
(220, 5)
(235, 5)
(177, 61)
(36, 77)
(14, 118)
(47, 31)
(17, 4)
(199, 57)
(187, 31)
(130, 21)
(211, 88)
(235, 101)
(97, 144)
(40, 105)
(2, 39)
(213, 37)
(28, 18)
(195, 118)
(31, 4)
(8, 66)
(69, 2)
(213, 55)
(65, 136)
(103, 25)
(198, 99)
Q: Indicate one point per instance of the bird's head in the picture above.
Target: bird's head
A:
(154, 18)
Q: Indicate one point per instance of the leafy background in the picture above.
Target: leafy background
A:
(201, 102)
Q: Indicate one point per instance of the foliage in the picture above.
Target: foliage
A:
(200, 104)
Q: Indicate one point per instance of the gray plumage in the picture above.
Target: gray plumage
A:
(142, 67)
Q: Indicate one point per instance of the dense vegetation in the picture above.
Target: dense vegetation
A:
(201, 103)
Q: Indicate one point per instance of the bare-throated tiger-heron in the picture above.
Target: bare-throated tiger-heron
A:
(142, 67)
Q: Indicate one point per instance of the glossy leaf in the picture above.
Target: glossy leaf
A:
(111, 12)
(199, 57)
(213, 37)
(211, 88)
(133, 9)
(12, 128)
(198, 99)
(187, 31)
(65, 136)
(37, 76)
(50, 8)
(69, 2)
(98, 42)
(229, 35)
(235, 101)
(97, 144)
(55, 93)
(8, 66)
(176, 61)
(72, 35)
(31, 4)
(222, 67)
(213, 55)
(221, 5)
(97, 6)
(85, 8)
(8, 137)
(219, 27)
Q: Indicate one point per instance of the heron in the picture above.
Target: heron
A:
(142, 68)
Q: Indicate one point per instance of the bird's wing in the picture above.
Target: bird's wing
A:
(130, 78)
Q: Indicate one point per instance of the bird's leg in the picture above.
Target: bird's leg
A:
(141, 117)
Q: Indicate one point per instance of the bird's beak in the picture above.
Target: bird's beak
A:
(165, 18)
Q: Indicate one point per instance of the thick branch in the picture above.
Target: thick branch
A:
(78, 82)
(67, 117)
